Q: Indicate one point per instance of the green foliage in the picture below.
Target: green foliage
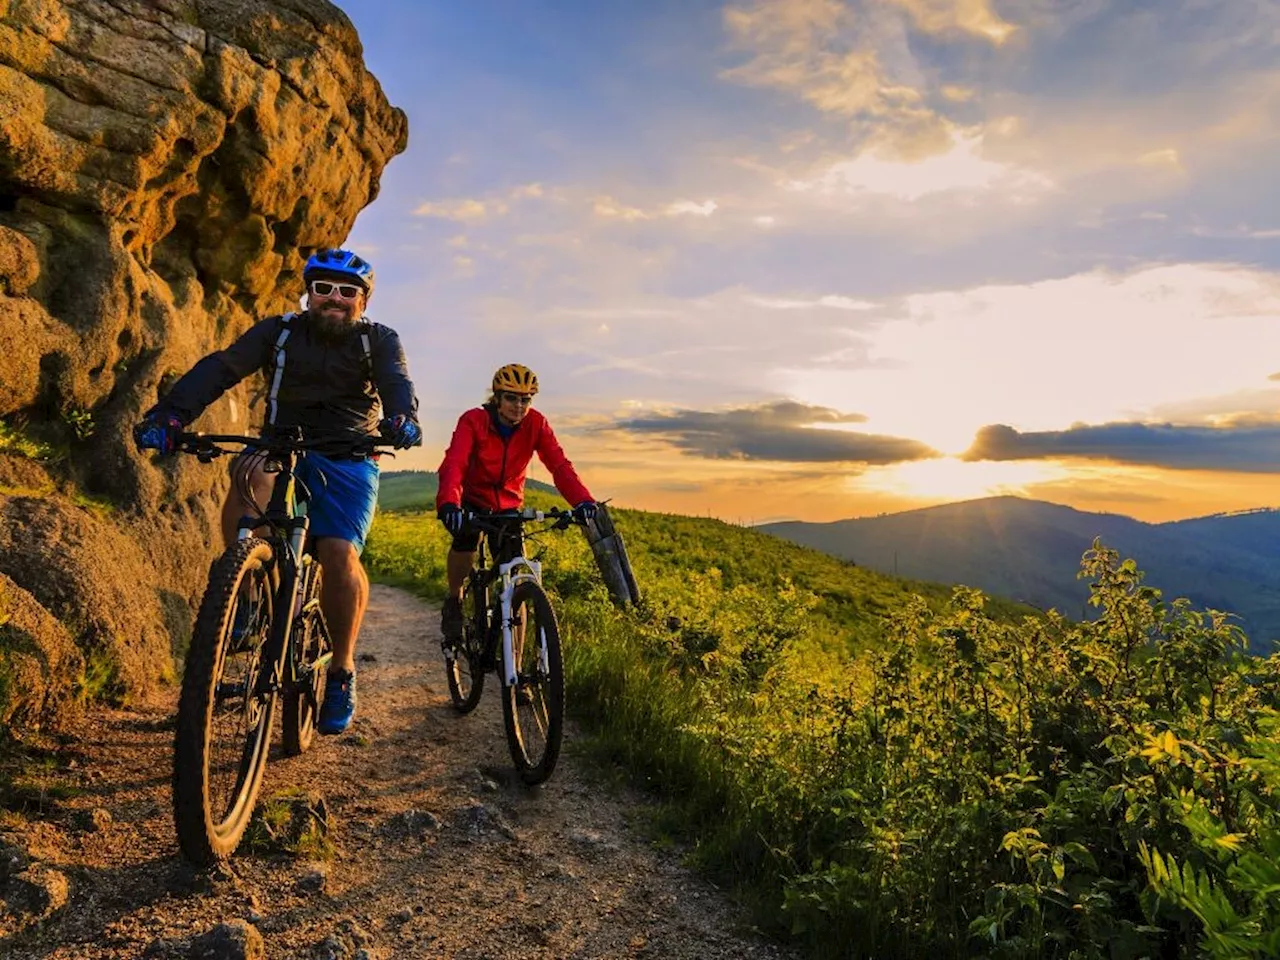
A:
(16, 443)
(886, 769)
(80, 422)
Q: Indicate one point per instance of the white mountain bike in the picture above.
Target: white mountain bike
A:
(510, 628)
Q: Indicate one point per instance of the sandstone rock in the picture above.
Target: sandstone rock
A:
(39, 661)
(84, 570)
(165, 169)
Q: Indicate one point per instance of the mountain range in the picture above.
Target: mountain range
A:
(1030, 551)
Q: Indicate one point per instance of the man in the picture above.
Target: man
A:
(333, 373)
(484, 470)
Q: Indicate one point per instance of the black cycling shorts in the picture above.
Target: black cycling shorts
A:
(510, 544)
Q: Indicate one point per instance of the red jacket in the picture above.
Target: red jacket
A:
(482, 469)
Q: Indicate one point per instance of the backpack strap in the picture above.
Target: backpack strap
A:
(286, 328)
(368, 351)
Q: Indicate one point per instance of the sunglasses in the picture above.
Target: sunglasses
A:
(523, 399)
(327, 288)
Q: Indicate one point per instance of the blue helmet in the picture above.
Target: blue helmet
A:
(340, 263)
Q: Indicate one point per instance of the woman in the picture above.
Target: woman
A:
(484, 470)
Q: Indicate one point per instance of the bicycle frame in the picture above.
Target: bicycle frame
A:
(510, 574)
(287, 527)
(290, 528)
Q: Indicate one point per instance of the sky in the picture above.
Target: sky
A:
(817, 259)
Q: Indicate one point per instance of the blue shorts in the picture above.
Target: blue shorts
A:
(344, 495)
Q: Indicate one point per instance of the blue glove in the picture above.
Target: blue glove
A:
(158, 431)
(452, 517)
(586, 511)
(401, 432)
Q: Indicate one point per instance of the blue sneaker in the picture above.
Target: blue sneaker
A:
(339, 704)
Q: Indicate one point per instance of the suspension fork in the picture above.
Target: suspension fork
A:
(512, 578)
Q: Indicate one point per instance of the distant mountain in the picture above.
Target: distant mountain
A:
(1029, 550)
(416, 489)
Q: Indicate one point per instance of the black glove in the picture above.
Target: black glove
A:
(586, 511)
(452, 517)
(158, 431)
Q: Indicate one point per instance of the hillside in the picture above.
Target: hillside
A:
(848, 759)
(404, 490)
(1029, 551)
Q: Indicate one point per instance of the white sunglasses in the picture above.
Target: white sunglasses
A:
(327, 288)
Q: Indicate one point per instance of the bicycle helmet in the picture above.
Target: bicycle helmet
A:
(516, 378)
(338, 264)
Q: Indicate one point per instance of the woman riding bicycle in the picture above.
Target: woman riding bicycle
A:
(484, 470)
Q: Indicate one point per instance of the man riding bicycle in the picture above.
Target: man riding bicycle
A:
(340, 378)
(484, 470)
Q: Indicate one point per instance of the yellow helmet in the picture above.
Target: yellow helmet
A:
(516, 378)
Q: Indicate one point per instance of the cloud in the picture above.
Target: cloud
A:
(783, 431)
(972, 17)
(1241, 231)
(681, 207)
(461, 209)
(832, 301)
(466, 209)
(856, 60)
(962, 167)
(610, 208)
(1248, 448)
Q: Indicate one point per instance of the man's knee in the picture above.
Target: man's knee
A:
(338, 556)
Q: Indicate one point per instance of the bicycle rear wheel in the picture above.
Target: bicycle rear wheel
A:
(533, 709)
(464, 660)
(224, 727)
(301, 704)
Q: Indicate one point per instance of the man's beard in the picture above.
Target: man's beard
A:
(332, 330)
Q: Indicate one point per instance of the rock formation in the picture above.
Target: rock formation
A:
(165, 168)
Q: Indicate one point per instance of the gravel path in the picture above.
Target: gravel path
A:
(439, 850)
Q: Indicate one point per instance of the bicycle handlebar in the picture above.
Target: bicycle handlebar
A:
(206, 445)
(483, 519)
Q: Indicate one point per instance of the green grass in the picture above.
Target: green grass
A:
(415, 490)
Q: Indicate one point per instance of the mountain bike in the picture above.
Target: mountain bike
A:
(510, 628)
(260, 637)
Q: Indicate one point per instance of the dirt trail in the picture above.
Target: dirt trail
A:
(441, 852)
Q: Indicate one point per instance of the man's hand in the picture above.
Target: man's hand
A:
(585, 511)
(401, 432)
(452, 517)
(158, 431)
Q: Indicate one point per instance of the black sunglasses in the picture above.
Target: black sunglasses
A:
(521, 398)
(326, 288)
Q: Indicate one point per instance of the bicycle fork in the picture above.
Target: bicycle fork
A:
(512, 578)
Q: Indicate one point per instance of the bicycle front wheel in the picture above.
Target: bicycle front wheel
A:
(224, 723)
(533, 709)
(464, 660)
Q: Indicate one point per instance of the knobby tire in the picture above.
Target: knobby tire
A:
(465, 670)
(533, 709)
(209, 829)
